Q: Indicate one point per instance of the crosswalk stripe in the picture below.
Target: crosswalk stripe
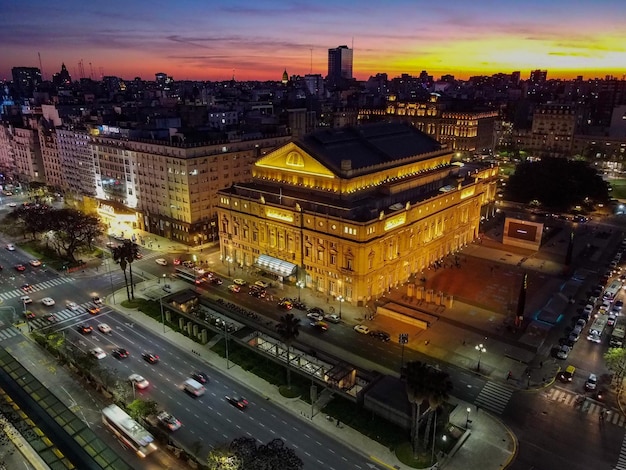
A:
(36, 287)
(494, 397)
(621, 460)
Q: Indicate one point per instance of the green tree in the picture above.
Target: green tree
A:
(439, 388)
(222, 458)
(615, 359)
(416, 375)
(288, 329)
(119, 256)
(139, 409)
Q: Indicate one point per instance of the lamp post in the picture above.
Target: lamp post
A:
(228, 261)
(467, 420)
(226, 343)
(481, 349)
(340, 299)
(300, 285)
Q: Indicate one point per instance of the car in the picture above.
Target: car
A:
(177, 261)
(200, 377)
(605, 307)
(234, 288)
(258, 292)
(97, 300)
(26, 299)
(216, 280)
(333, 318)
(50, 317)
(29, 315)
(73, 306)
(364, 330)
(98, 353)
(237, 401)
(104, 328)
(35, 262)
(149, 357)
(619, 305)
(320, 325)
(380, 335)
(580, 324)
(48, 301)
(10, 247)
(568, 374)
(12, 204)
(592, 382)
(138, 381)
(188, 264)
(317, 310)
(588, 309)
(93, 309)
(239, 282)
(26, 287)
(563, 352)
(611, 319)
(169, 421)
(315, 316)
(111, 244)
(84, 329)
(161, 261)
(262, 284)
(288, 305)
(573, 337)
(20, 267)
(577, 329)
(120, 353)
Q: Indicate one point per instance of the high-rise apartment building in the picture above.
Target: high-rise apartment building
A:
(25, 80)
(339, 64)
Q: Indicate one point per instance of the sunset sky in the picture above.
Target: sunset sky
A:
(209, 39)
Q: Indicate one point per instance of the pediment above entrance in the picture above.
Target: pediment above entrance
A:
(291, 158)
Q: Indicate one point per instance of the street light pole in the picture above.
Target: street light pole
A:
(226, 343)
(340, 299)
(467, 420)
(228, 261)
(481, 349)
(300, 285)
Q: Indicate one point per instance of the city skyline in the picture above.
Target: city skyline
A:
(196, 41)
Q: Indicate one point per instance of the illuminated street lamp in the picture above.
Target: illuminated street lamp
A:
(340, 299)
(228, 261)
(467, 420)
(481, 349)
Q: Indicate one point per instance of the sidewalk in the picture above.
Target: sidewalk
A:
(488, 444)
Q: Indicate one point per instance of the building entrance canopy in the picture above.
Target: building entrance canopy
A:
(275, 265)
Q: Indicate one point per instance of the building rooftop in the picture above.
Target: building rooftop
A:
(369, 145)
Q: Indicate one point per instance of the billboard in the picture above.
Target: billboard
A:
(522, 233)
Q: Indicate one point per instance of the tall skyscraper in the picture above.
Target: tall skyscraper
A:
(339, 64)
(25, 79)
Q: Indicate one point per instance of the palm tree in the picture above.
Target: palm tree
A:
(417, 388)
(439, 386)
(124, 255)
(288, 328)
(120, 258)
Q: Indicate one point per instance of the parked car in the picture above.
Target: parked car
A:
(332, 318)
(239, 282)
(315, 316)
(563, 352)
(380, 335)
(362, 329)
(262, 284)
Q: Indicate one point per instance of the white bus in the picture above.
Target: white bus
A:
(128, 430)
(597, 328)
(611, 291)
(189, 275)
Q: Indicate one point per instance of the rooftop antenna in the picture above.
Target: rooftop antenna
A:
(40, 66)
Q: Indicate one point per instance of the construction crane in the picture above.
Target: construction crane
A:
(81, 69)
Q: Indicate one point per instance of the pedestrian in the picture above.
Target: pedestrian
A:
(509, 375)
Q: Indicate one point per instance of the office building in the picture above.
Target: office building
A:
(339, 65)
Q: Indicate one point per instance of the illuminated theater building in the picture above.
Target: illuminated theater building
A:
(354, 212)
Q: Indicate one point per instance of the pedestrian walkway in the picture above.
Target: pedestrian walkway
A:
(621, 460)
(10, 332)
(35, 287)
(62, 315)
(588, 406)
(494, 397)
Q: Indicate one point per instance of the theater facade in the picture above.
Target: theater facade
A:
(354, 212)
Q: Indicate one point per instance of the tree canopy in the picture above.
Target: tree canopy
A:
(557, 183)
(245, 453)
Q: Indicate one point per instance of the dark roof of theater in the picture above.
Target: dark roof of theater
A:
(367, 145)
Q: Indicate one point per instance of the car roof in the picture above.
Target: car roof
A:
(570, 369)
